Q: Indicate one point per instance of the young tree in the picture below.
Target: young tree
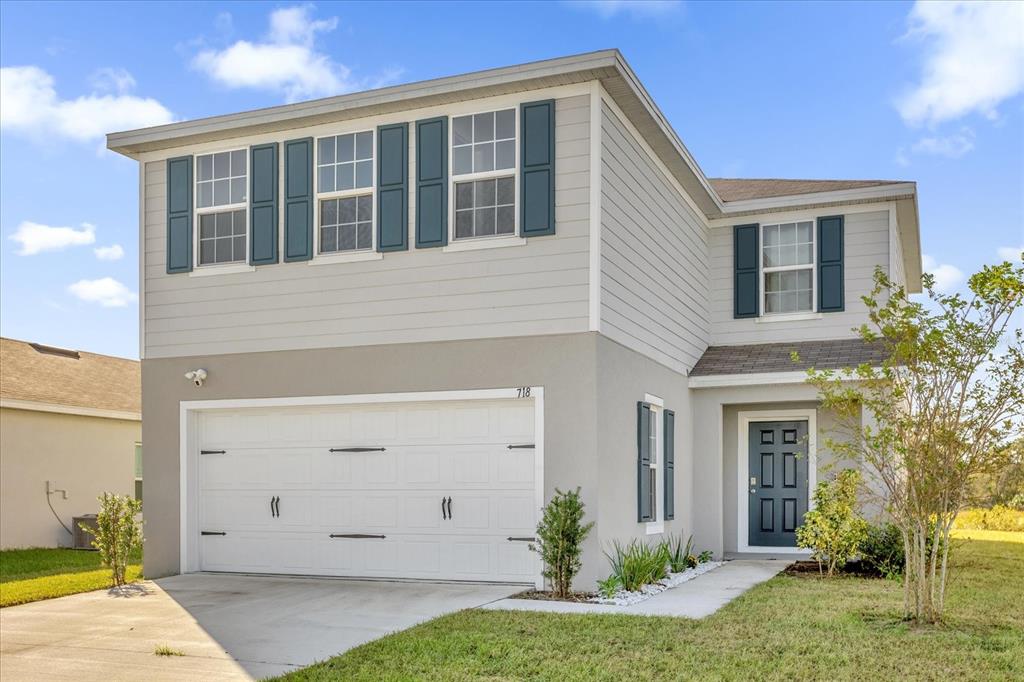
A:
(118, 533)
(560, 536)
(833, 530)
(932, 417)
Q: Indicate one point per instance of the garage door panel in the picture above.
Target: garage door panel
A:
(516, 467)
(516, 514)
(332, 469)
(222, 510)
(420, 466)
(471, 512)
(422, 512)
(336, 511)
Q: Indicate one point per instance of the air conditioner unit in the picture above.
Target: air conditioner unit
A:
(83, 538)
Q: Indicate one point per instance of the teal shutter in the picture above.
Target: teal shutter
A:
(392, 187)
(644, 512)
(745, 270)
(263, 198)
(830, 264)
(432, 182)
(179, 214)
(537, 168)
(298, 200)
(670, 464)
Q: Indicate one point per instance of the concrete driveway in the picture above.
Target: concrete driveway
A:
(228, 626)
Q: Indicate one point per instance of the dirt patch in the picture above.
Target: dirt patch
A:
(542, 595)
(852, 568)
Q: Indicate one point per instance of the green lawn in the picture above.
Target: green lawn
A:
(791, 627)
(32, 574)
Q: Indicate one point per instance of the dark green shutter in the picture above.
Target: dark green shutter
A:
(537, 168)
(179, 214)
(643, 462)
(745, 270)
(392, 187)
(263, 195)
(298, 200)
(432, 182)
(670, 464)
(830, 264)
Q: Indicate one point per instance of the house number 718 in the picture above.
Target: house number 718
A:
(523, 392)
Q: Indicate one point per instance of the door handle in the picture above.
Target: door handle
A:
(450, 508)
(444, 514)
(272, 506)
(277, 505)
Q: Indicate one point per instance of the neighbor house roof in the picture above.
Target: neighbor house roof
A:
(741, 189)
(777, 357)
(34, 376)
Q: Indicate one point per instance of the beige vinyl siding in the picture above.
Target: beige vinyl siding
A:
(654, 255)
(866, 245)
(408, 296)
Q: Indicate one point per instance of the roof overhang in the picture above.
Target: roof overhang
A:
(78, 410)
(606, 66)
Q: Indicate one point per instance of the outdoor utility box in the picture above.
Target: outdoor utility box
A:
(83, 538)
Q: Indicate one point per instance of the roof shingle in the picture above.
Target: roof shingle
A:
(41, 374)
(776, 357)
(740, 189)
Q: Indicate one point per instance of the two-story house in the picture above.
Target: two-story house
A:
(420, 310)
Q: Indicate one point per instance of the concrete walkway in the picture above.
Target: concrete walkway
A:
(229, 627)
(697, 598)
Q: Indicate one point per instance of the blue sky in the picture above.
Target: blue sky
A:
(926, 92)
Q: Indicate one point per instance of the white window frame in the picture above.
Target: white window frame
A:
(658, 465)
(318, 196)
(812, 266)
(221, 268)
(486, 241)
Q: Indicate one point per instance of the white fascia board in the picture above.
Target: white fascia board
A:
(759, 379)
(33, 406)
(859, 194)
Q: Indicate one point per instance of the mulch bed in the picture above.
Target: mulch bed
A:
(852, 568)
(543, 595)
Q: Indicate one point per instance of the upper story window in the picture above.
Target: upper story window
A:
(787, 264)
(484, 172)
(221, 196)
(345, 192)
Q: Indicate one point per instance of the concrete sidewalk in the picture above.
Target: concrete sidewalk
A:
(697, 598)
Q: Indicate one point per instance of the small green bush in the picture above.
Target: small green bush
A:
(560, 536)
(833, 530)
(999, 517)
(705, 556)
(881, 551)
(638, 564)
(118, 533)
(678, 552)
(609, 586)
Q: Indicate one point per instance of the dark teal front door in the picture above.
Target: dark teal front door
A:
(776, 482)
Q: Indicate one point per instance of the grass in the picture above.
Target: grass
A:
(792, 627)
(164, 650)
(28, 575)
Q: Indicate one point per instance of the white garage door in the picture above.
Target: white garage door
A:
(441, 490)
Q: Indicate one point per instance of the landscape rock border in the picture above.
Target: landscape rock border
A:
(626, 598)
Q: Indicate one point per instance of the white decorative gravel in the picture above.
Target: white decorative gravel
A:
(624, 598)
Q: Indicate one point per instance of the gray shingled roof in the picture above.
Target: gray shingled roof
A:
(775, 357)
(740, 189)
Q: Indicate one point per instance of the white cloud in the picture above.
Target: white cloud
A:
(29, 104)
(947, 277)
(951, 146)
(106, 291)
(974, 59)
(607, 9)
(1010, 253)
(112, 252)
(36, 238)
(286, 60)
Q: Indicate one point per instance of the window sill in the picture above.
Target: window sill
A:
(484, 243)
(211, 270)
(655, 527)
(787, 317)
(357, 257)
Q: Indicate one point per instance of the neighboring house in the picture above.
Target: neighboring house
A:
(424, 308)
(70, 429)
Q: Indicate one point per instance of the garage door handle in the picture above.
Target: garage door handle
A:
(212, 452)
(524, 446)
(357, 536)
(450, 517)
(212, 532)
(514, 539)
(358, 449)
(444, 514)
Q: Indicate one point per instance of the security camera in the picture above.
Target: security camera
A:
(196, 376)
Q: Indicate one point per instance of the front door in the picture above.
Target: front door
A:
(777, 482)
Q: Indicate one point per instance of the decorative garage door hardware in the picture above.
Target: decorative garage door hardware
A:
(515, 539)
(358, 536)
(212, 532)
(275, 506)
(524, 446)
(212, 452)
(446, 515)
(358, 449)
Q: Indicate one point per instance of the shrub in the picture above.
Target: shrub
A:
(609, 586)
(560, 536)
(881, 551)
(678, 552)
(1017, 502)
(832, 529)
(998, 517)
(705, 556)
(118, 533)
(638, 564)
